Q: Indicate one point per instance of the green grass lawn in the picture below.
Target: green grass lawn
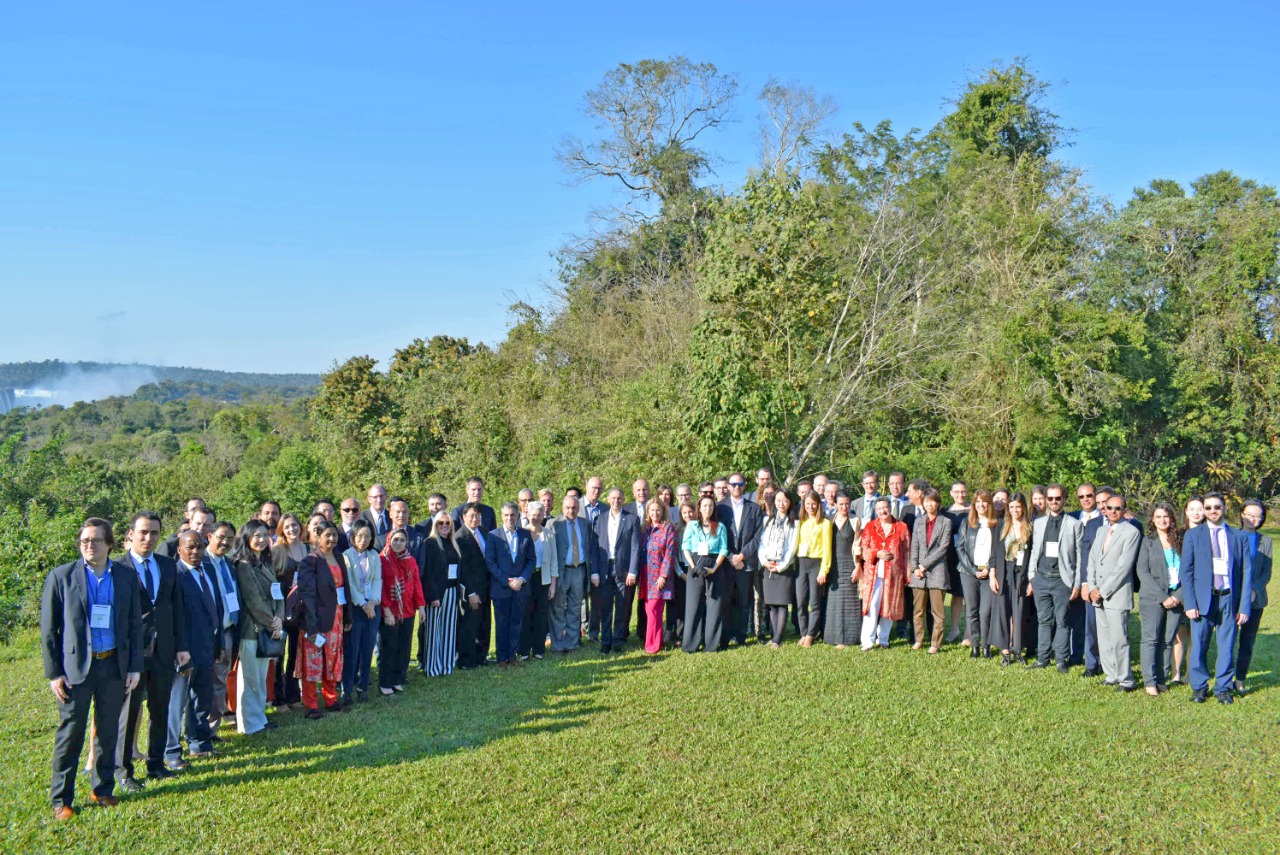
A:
(749, 750)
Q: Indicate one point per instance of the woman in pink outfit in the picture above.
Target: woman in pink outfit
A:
(659, 558)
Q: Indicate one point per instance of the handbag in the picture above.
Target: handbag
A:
(268, 647)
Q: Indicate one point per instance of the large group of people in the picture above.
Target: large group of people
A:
(289, 615)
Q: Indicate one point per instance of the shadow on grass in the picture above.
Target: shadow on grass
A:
(437, 716)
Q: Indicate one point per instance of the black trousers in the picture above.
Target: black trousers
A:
(1247, 636)
(469, 655)
(1053, 606)
(104, 689)
(673, 633)
(778, 618)
(593, 612)
(153, 688)
(485, 628)
(703, 612)
(394, 643)
(611, 605)
(537, 619)
(288, 691)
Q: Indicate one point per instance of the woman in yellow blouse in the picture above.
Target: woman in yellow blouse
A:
(814, 559)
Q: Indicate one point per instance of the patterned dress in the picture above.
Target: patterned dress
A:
(317, 664)
(659, 560)
(844, 606)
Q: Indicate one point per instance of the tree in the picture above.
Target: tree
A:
(651, 115)
(791, 125)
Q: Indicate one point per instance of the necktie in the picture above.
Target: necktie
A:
(147, 580)
(1219, 582)
(226, 584)
(574, 558)
(1106, 542)
(206, 588)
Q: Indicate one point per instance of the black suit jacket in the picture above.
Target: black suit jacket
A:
(747, 539)
(627, 552)
(202, 618)
(473, 569)
(488, 518)
(319, 595)
(64, 622)
(168, 549)
(368, 516)
(163, 621)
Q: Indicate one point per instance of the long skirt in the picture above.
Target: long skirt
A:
(844, 611)
(442, 624)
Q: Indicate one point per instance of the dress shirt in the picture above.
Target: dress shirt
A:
(102, 592)
(224, 578)
(148, 574)
(737, 505)
(613, 523)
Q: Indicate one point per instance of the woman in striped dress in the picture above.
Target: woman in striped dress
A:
(844, 605)
(440, 585)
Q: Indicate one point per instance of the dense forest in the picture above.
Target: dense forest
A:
(951, 302)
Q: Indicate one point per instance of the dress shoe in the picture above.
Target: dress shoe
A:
(131, 785)
(1225, 698)
(502, 663)
(175, 766)
(1199, 696)
(104, 801)
(203, 754)
(1038, 665)
(974, 652)
(986, 652)
(1063, 668)
(1126, 688)
(1091, 672)
(63, 813)
(314, 714)
(160, 774)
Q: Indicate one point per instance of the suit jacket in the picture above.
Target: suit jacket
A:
(203, 617)
(860, 504)
(437, 556)
(969, 539)
(1261, 571)
(231, 639)
(168, 549)
(473, 569)
(930, 553)
(564, 539)
(1197, 569)
(627, 552)
(1152, 572)
(502, 567)
(909, 514)
(1068, 549)
(488, 518)
(163, 621)
(64, 622)
(368, 516)
(319, 595)
(1111, 572)
(747, 539)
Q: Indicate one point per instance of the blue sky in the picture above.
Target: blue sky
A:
(276, 186)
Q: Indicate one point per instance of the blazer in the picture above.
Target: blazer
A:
(257, 606)
(1111, 572)
(1261, 571)
(628, 548)
(1197, 569)
(929, 553)
(203, 617)
(488, 518)
(473, 569)
(1152, 572)
(1087, 537)
(319, 595)
(969, 540)
(859, 507)
(550, 567)
(564, 537)
(368, 516)
(747, 539)
(371, 592)
(502, 567)
(1068, 549)
(438, 554)
(64, 622)
(163, 621)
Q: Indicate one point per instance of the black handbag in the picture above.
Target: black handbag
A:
(268, 647)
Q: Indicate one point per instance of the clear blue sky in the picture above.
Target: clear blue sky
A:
(276, 186)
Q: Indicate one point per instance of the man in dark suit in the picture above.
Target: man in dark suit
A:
(639, 498)
(192, 695)
(510, 556)
(163, 635)
(91, 641)
(615, 568)
(199, 518)
(349, 511)
(1217, 585)
(473, 577)
(744, 591)
(488, 522)
(376, 512)
(218, 568)
(436, 503)
(591, 509)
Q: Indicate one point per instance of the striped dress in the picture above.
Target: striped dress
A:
(844, 607)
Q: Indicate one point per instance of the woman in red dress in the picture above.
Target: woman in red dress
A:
(323, 615)
(883, 575)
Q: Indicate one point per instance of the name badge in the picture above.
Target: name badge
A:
(100, 617)
(319, 640)
(704, 549)
(233, 603)
(453, 571)
(342, 595)
(276, 593)
(1051, 549)
(1219, 567)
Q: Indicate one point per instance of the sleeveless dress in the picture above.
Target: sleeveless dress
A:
(844, 607)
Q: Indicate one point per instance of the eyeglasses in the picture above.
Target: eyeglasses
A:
(1115, 507)
(351, 510)
(92, 541)
(1206, 507)
(1053, 498)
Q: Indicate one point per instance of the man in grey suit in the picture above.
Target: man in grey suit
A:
(864, 507)
(1109, 587)
(1054, 575)
(91, 640)
(574, 546)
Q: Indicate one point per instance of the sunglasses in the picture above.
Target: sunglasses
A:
(1053, 498)
(1115, 507)
(1084, 495)
(1213, 507)
(737, 483)
(351, 510)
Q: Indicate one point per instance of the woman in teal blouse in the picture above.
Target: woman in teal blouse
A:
(705, 547)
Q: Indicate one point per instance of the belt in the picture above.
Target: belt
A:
(1222, 591)
(575, 566)
(106, 654)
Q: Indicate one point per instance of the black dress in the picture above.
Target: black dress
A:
(844, 607)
